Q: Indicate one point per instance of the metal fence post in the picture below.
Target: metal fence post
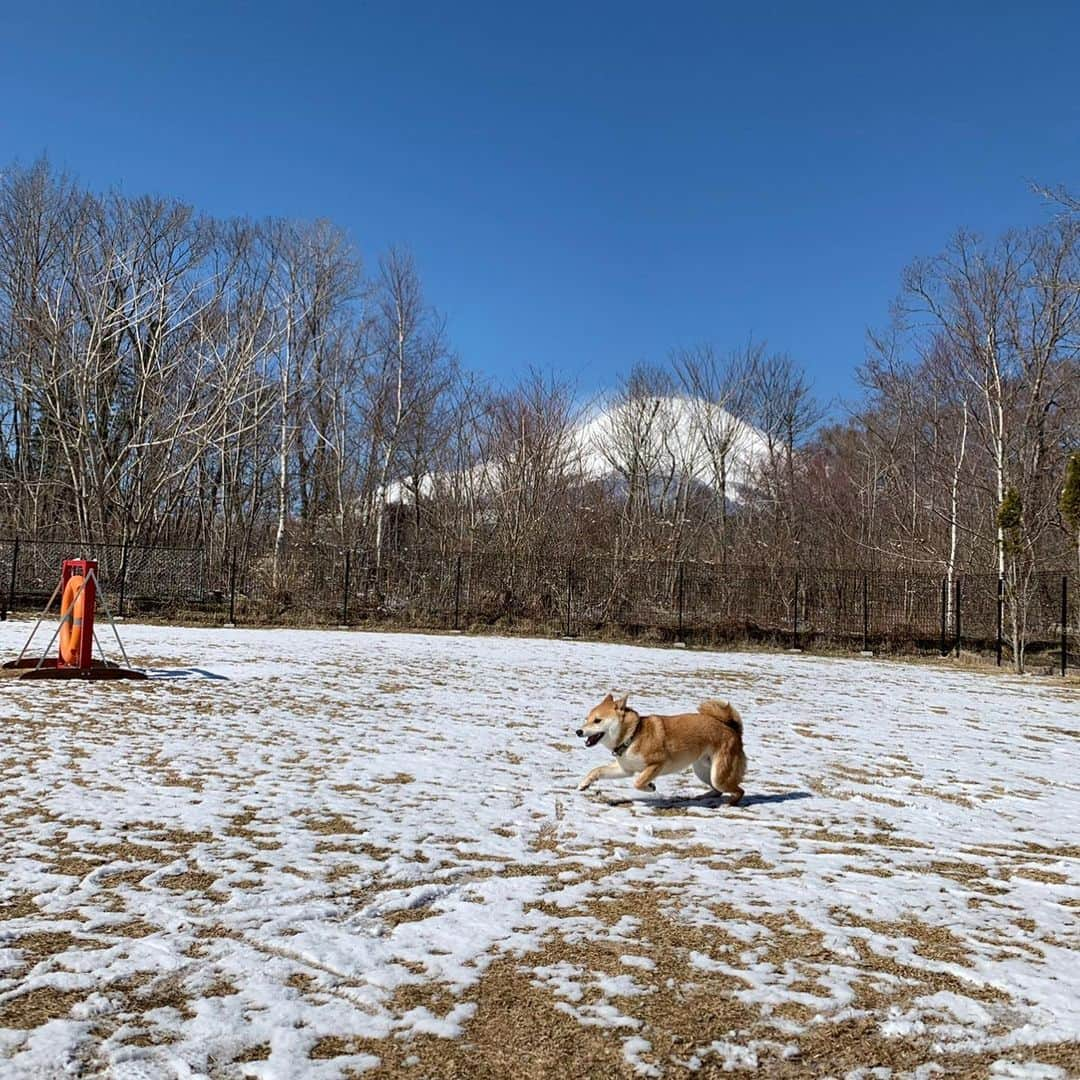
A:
(958, 630)
(944, 607)
(232, 589)
(1064, 625)
(680, 595)
(569, 596)
(795, 615)
(1000, 612)
(367, 578)
(457, 592)
(865, 615)
(11, 586)
(345, 589)
(123, 578)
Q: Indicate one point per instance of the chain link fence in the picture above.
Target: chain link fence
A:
(587, 595)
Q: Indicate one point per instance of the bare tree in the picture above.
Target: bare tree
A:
(1008, 320)
(718, 391)
(643, 437)
(785, 413)
(407, 344)
(531, 463)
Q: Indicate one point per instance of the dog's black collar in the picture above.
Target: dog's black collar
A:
(625, 744)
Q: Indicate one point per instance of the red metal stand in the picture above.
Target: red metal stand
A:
(74, 660)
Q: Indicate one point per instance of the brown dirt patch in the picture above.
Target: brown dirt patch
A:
(190, 881)
(932, 942)
(841, 1047)
(973, 875)
(1047, 877)
(42, 944)
(20, 906)
(547, 839)
(75, 866)
(38, 1006)
(134, 928)
(261, 1052)
(333, 825)
(135, 853)
(166, 992)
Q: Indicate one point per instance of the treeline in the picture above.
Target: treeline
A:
(964, 453)
(240, 385)
(170, 378)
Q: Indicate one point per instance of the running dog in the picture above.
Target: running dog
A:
(710, 740)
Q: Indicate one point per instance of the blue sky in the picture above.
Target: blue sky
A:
(583, 186)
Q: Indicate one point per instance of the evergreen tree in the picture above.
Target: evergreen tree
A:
(1010, 519)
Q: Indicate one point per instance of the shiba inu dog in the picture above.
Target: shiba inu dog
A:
(710, 740)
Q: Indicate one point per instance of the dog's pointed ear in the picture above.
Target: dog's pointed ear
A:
(620, 705)
(608, 700)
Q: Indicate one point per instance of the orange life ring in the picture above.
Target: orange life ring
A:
(72, 610)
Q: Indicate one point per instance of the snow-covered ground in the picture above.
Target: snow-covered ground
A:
(356, 852)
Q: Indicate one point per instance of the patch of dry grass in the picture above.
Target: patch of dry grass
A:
(38, 1006)
(43, 944)
(333, 825)
(19, 906)
(190, 881)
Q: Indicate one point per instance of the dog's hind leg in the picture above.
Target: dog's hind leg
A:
(721, 780)
(703, 769)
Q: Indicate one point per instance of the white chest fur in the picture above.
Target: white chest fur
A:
(630, 762)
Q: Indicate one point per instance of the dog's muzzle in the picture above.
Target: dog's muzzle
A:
(592, 740)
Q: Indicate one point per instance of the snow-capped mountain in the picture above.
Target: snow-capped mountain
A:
(667, 434)
(647, 437)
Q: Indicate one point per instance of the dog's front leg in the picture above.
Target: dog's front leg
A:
(644, 779)
(601, 772)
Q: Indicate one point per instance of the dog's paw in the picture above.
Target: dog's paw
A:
(586, 783)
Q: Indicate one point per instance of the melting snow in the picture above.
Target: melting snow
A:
(327, 846)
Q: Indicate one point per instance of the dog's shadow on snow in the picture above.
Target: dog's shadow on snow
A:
(688, 802)
(779, 797)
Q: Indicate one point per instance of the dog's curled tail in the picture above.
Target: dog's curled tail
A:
(722, 711)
